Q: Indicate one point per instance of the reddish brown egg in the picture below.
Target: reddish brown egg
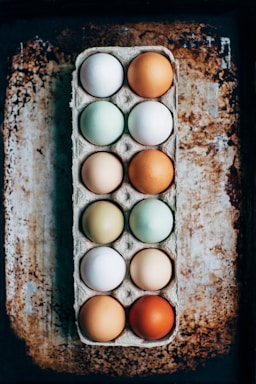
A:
(151, 171)
(150, 74)
(151, 317)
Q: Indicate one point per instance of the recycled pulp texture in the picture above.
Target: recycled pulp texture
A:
(126, 196)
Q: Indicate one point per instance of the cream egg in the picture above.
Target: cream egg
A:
(151, 220)
(102, 221)
(102, 269)
(151, 269)
(101, 74)
(101, 122)
(102, 318)
(102, 172)
(150, 122)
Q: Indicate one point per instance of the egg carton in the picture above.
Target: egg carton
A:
(125, 196)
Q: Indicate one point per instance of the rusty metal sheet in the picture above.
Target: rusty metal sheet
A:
(38, 199)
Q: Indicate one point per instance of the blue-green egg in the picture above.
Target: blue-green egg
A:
(101, 122)
(151, 220)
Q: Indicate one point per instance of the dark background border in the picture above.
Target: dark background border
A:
(238, 367)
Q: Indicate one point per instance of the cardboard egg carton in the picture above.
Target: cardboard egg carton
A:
(125, 196)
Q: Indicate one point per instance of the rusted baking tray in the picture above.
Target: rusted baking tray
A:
(215, 196)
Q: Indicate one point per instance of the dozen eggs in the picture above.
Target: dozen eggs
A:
(150, 172)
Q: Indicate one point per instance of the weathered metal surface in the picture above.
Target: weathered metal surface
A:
(38, 200)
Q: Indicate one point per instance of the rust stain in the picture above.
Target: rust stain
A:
(233, 186)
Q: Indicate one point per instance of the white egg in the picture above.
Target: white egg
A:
(101, 74)
(102, 269)
(150, 123)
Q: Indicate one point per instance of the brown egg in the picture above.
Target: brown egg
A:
(102, 318)
(151, 317)
(150, 74)
(151, 171)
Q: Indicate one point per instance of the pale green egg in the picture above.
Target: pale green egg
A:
(151, 220)
(101, 122)
(102, 222)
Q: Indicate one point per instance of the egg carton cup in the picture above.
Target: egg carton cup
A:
(125, 196)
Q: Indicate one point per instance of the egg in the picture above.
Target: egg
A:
(101, 74)
(102, 221)
(151, 171)
(151, 317)
(151, 269)
(102, 269)
(151, 220)
(102, 172)
(150, 74)
(150, 122)
(102, 318)
(101, 122)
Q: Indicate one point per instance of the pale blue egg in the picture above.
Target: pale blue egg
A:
(101, 122)
(151, 220)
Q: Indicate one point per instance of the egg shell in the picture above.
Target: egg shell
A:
(102, 318)
(102, 222)
(151, 317)
(151, 171)
(101, 122)
(150, 74)
(151, 269)
(102, 172)
(101, 74)
(151, 220)
(102, 268)
(150, 123)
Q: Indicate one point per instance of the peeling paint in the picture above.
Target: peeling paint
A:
(221, 142)
(31, 289)
(225, 52)
(212, 99)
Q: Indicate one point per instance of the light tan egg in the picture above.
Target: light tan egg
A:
(151, 269)
(102, 172)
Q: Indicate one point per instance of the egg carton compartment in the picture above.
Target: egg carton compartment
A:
(125, 195)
